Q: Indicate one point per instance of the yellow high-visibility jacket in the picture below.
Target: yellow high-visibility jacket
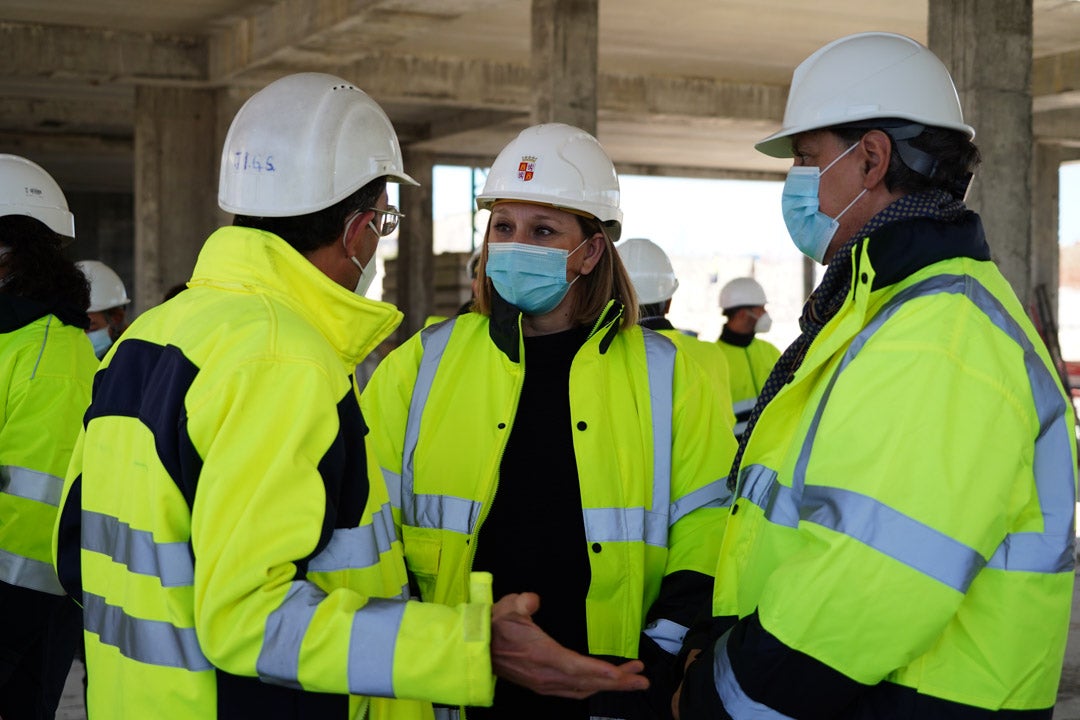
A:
(652, 449)
(749, 367)
(46, 370)
(712, 360)
(238, 556)
(902, 536)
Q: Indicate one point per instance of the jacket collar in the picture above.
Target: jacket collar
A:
(253, 261)
(656, 323)
(504, 326)
(738, 339)
(900, 249)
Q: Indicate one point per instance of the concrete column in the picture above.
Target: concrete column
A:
(987, 46)
(175, 186)
(564, 51)
(415, 265)
(1045, 200)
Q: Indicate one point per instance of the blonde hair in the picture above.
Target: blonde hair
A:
(607, 281)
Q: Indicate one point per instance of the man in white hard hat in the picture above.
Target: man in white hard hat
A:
(655, 284)
(230, 539)
(46, 370)
(901, 541)
(108, 305)
(750, 359)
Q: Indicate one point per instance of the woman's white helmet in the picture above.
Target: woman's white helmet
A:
(303, 143)
(867, 76)
(26, 189)
(558, 165)
(106, 288)
(649, 269)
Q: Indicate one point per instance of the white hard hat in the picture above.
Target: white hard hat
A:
(742, 292)
(867, 76)
(106, 287)
(558, 165)
(303, 143)
(26, 189)
(649, 269)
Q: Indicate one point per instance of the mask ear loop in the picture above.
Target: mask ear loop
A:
(836, 160)
(345, 234)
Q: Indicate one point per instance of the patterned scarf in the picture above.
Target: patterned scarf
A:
(829, 297)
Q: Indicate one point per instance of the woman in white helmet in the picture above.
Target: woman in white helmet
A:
(46, 369)
(549, 439)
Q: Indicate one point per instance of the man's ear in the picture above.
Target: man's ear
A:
(877, 152)
(354, 229)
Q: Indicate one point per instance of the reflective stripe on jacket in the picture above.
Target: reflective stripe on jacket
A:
(238, 554)
(46, 369)
(904, 512)
(650, 449)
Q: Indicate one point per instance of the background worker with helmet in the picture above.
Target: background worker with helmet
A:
(46, 370)
(655, 284)
(108, 300)
(549, 439)
(750, 359)
(227, 533)
(901, 543)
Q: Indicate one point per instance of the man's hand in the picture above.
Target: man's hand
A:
(524, 654)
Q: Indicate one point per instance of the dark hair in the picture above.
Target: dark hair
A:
(38, 269)
(652, 310)
(320, 228)
(174, 291)
(951, 154)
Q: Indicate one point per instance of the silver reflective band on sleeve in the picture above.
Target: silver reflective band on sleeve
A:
(736, 702)
(31, 484)
(358, 547)
(759, 485)
(920, 547)
(153, 642)
(667, 634)
(29, 573)
(371, 647)
(625, 525)
(447, 713)
(170, 562)
(279, 658)
(715, 494)
(740, 427)
(907, 540)
(434, 340)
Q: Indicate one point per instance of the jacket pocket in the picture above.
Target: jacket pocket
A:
(423, 553)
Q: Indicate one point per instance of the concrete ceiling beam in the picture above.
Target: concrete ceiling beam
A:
(33, 50)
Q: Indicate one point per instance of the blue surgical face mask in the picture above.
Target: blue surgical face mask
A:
(101, 340)
(810, 229)
(529, 277)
